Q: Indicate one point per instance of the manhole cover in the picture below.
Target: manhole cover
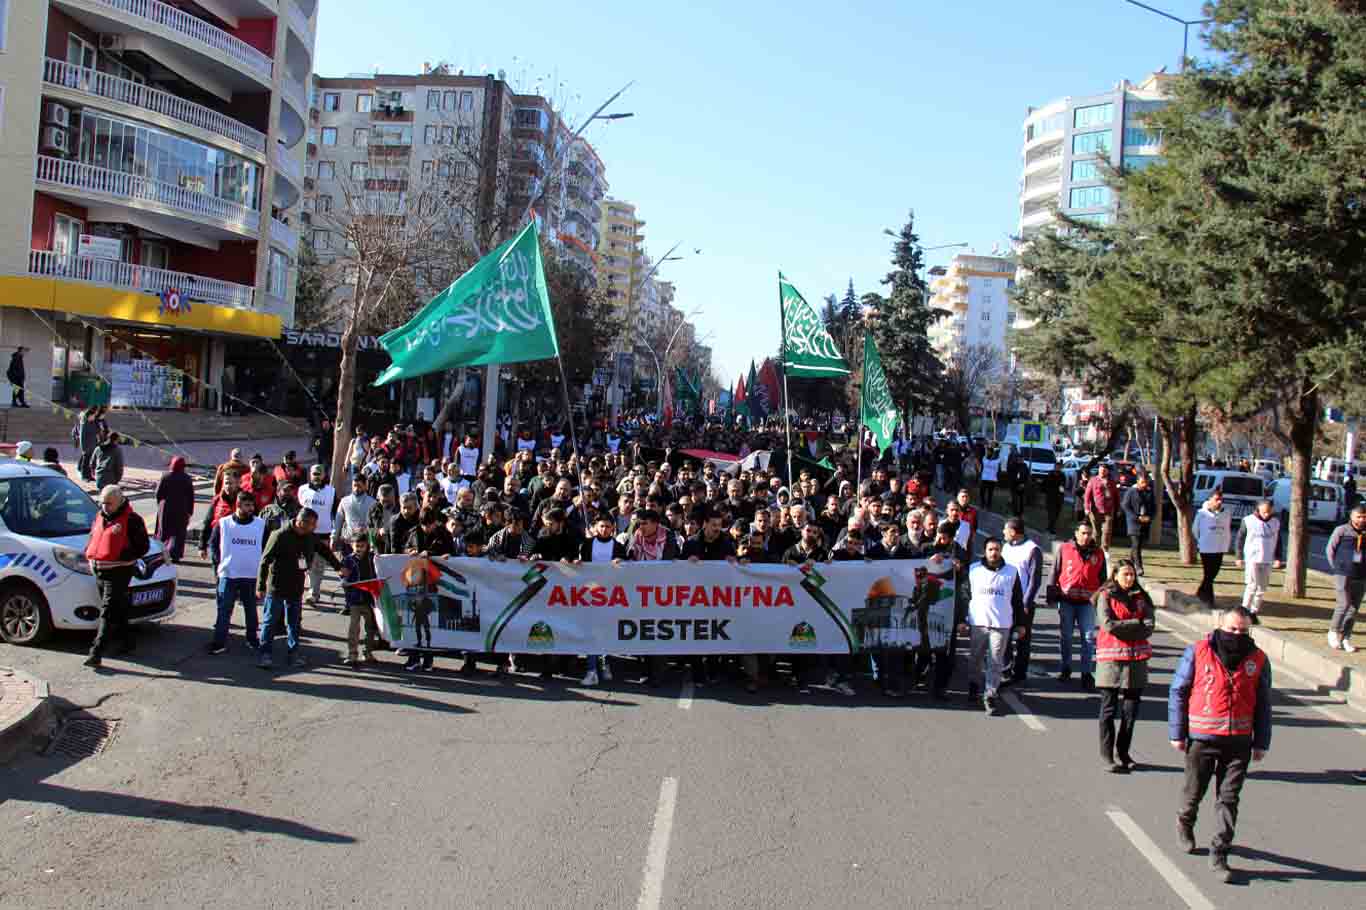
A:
(82, 736)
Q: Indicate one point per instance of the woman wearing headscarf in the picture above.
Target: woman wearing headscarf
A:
(175, 504)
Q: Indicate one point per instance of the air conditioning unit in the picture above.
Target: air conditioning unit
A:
(112, 43)
(53, 139)
(56, 114)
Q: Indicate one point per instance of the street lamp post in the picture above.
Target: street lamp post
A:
(630, 302)
(1184, 23)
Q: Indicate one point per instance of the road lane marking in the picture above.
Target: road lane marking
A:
(1183, 886)
(657, 854)
(1023, 713)
(685, 696)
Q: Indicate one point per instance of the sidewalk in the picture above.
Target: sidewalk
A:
(25, 711)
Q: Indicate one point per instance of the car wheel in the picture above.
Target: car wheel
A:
(24, 616)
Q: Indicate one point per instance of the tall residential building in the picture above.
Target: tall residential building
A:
(620, 250)
(973, 291)
(154, 162)
(576, 214)
(1065, 142)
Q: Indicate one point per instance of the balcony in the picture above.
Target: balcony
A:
(148, 280)
(282, 235)
(294, 93)
(298, 19)
(206, 38)
(76, 80)
(287, 165)
(87, 179)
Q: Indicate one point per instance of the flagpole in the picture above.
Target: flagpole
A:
(568, 410)
(858, 435)
(787, 400)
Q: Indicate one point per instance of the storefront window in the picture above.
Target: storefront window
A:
(132, 148)
(145, 369)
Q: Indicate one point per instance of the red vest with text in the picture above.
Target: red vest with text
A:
(1077, 577)
(1223, 703)
(1108, 647)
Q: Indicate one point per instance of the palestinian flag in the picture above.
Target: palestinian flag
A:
(391, 627)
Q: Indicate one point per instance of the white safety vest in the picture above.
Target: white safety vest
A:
(239, 547)
(319, 501)
(990, 468)
(1213, 530)
(991, 604)
(1260, 543)
(469, 461)
(1017, 555)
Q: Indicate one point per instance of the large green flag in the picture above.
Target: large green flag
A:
(497, 312)
(808, 349)
(877, 411)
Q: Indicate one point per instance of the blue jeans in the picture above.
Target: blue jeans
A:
(1082, 615)
(294, 615)
(231, 590)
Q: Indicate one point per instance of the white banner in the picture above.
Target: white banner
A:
(661, 608)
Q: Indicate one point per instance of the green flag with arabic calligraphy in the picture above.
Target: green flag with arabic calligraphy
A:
(497, 312)
(808, 349)
(877, 410)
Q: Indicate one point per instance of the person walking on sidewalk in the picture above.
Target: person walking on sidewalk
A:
(16, 376)
(118, 539)
(994, 603)
(319, 496)
(280, 580)
(86, 435)
(1345, 552)
(235, 547)
(1258, 550)
(1219, 715)
(1213, 529)
(1078, 573)
(1101, 502)
(1123, 650)
(1027, 559)
(1138, 507)
(175, 505)
(107, 462)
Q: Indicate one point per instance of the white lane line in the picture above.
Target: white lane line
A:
(685, 696)
(1183, 886)
(1029, 718)
(657, 854)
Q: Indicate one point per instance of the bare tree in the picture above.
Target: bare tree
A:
(969, 373)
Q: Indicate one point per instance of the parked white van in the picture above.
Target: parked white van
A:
(1327, 504)
(1241, 491)
(1330, 469)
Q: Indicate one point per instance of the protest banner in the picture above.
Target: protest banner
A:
(659, 607)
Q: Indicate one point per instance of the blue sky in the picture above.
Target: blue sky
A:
(784, 135)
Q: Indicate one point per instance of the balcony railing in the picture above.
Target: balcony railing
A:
(287, 165)
(297, 17)
(194, 28)
(91, 179)
(142, 278)
(294, 91)
(283, 234)
(66, 75)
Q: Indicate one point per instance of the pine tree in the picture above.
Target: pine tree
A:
(900, 323)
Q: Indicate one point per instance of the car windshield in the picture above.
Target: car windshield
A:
(45, 506)
(1242, 486)
(1037, 455)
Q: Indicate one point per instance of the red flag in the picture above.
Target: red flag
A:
(371, 586)
(740, 391)
(768, 375)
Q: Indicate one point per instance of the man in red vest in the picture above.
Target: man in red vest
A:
(1078, 572)
(1219, 714)
(118, 539)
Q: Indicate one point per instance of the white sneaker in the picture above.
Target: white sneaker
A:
(606, 671)
(1334, 640)
(590, 678)
(1348, 646)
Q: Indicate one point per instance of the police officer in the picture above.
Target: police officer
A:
(1219, 715)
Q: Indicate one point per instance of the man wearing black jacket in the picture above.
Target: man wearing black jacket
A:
(280, 581)
(710, 544)
(118, 539)
(555, 542)
(601, 547)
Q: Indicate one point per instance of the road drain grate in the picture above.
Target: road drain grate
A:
(82, 736)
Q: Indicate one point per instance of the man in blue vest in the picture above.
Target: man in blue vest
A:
(1219, 715)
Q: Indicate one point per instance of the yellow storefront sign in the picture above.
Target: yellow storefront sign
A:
(52, 295)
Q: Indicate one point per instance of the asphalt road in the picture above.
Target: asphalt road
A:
(226, 786)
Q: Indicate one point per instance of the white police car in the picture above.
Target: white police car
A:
(45, 582)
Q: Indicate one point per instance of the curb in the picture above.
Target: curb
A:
(33, 724)
(1182, 611)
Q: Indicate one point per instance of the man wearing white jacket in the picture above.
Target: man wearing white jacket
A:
(995, 603)
(1258, 550)
(1213, 530)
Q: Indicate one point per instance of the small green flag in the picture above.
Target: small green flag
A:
(808, 349)
(497, 312)
(877, 411)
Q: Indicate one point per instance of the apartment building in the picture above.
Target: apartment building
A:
(620, 251)
(973, 293)
(154, 160)
(1067, 141)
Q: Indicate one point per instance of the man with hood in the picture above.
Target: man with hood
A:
(1219, 715)
(175, 505)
